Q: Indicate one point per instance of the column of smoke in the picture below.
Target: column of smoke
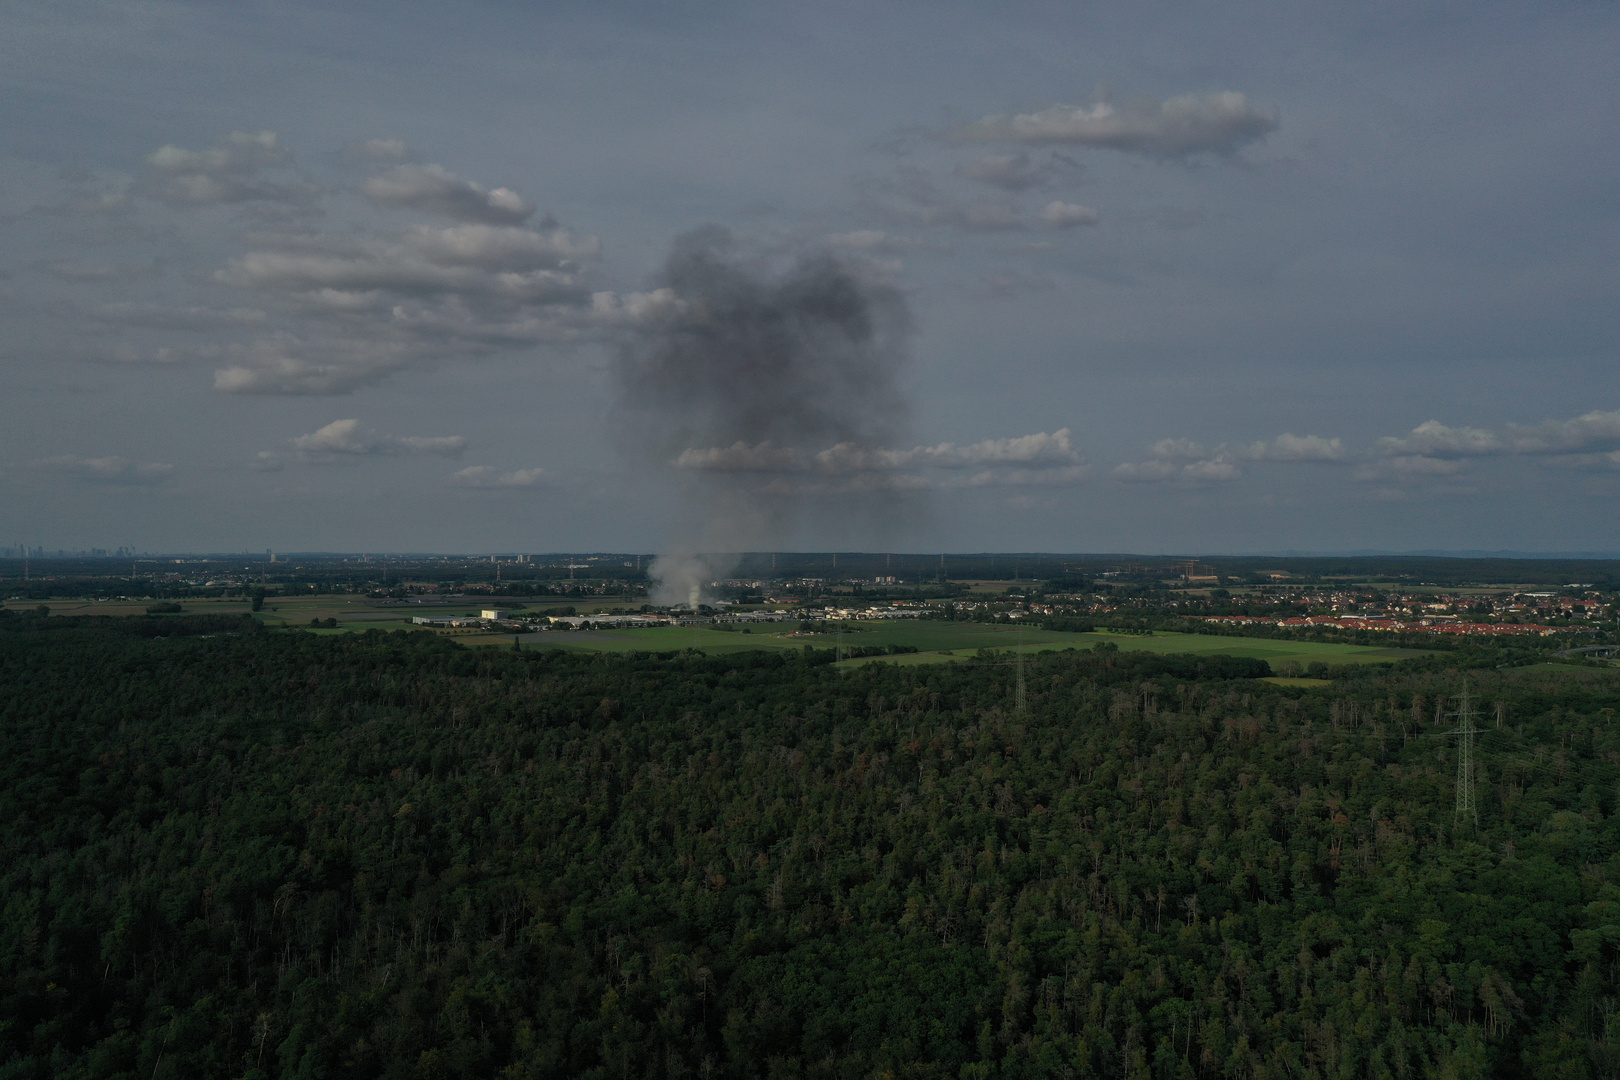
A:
(800, 358)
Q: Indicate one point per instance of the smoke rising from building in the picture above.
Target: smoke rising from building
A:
(751, 354)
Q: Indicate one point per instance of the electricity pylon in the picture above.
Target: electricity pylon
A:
(1020, 698)
(1467, 809)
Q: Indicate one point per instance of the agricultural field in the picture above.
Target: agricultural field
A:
(942, 642)
(936, 642)
(353, 612)
(971, 637)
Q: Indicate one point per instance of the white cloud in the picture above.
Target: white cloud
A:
(741, 457)
(433, 189)
(292, 376)
(338, 437)
(612, 308)
(1187, 461)
(1025, 455)
(432, 444)
(345, 437)
(498, 262)
(1062, 215)
(1212, 469)
(1435, 438)
(369, 305)
(1177, 450)
(1048, 477)
(231, 172)
(1180, 460)
(292, 366)
(1287, 447)
(1610, 460)
(486, 476)
(1201, 471)
(320, 313)
(1040, 450)
(108, 470)
(1219, 123)
(1593, 432)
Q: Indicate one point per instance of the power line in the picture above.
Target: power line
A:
(1020, 697)
(1466, 811)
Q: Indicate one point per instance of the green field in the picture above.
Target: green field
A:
(972, 637)
(937, 642)
(942, 642)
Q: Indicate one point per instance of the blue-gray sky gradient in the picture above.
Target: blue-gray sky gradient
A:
(1260, 276)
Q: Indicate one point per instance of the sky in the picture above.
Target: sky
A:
(1150, 277)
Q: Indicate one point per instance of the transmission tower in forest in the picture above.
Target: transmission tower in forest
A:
(1020, 697)
(1467, 809)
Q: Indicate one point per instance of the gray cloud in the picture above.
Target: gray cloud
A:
(433, 189)
(108, 470)
(1220, 123)
(921, 202)
(1009, 172)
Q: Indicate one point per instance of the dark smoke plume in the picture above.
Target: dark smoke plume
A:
(762, 365)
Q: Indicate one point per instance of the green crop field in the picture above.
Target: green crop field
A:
(942, 642)
(936, 641)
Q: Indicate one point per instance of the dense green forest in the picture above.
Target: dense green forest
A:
(235, 853)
